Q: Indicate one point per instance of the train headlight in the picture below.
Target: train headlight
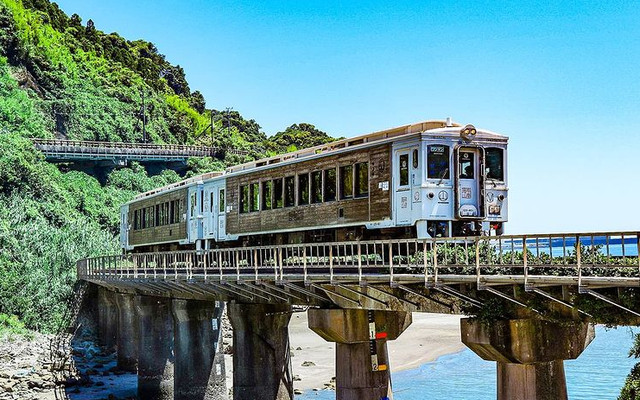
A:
(430, 195)
(501, 197)
(468, 132)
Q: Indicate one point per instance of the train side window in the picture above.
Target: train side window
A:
(316, 187)
(267, 193)
(303, 189)
(244, 199)
(346, 182)
(211, 201)
(278, 198)
(362, 179)
(254, 202)
(144, 218)
(193, 204)
(171, 212)
(136, 221)
(176, 211)
(404, 169)
(329, 187)
(201, 202)
(495, 163)
(438, 162)
(158, 215)
(289, 191)
(221, 201)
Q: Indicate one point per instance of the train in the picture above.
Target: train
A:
(436, 178)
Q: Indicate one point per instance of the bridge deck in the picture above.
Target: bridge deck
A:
(351, 274)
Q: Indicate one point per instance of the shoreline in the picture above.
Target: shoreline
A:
(429, 337)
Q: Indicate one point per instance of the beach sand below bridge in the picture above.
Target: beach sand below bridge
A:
(429, 337)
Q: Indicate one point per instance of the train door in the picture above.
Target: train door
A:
(195, 213)
(220, 211)
(406, 177)
(470, 183)
(210, 212)
(124, 227)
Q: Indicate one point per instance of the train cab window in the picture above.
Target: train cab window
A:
(495, 163)
(316, 187)
(404, 169)
(362, 179)
(244, 199)
(329, 188)
(278, 198)
(254, 202)
(467, 165)
(346, 182)
(303, 189)
(267, 193)
(221, 201)
(438, 162)
(289, 191)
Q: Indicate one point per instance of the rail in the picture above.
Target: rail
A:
(119, 148)
(582, 259)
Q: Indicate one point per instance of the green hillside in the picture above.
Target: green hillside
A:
(61, 77)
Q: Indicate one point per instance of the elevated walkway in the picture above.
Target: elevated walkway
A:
(120, 153)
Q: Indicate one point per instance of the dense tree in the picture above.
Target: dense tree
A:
(298, 136)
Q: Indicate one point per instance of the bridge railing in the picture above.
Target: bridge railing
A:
(97, 147)
(578, 258)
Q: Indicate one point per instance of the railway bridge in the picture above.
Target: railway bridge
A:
(534, 299)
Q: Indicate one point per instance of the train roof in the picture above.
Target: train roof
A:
(432, 127)
(435, 127)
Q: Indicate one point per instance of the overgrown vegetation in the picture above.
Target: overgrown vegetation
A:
(60, 77)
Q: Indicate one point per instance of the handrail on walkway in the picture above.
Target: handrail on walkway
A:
(582, 259)
(97, 147)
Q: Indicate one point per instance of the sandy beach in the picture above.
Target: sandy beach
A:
(429, 337)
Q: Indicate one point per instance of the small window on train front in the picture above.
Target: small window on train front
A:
(254, 190)
(415, 158)
(346, 182)
(303, 189)
(404, 169)
(316, 187)
(329, 187)
(362, 179)
(267, 192)
(438, 162)
(244, 199)
(221, 201)
(495, 163)
(289, 191)
(278, 198)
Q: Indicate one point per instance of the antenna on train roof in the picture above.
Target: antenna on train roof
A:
(449, 121)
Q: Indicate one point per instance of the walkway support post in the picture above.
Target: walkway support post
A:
(155, 352)
(261, 358)
(128, 332)
(362, 363)
(199, 363)
(530, 353)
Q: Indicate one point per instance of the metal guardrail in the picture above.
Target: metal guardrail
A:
(580, 259)
(60, 147)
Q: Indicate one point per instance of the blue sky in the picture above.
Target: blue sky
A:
(561, 79)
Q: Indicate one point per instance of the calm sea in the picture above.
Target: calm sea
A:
(598, 374)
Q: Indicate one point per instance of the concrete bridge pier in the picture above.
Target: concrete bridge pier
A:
(128, 332)
(261, 358)
(362, 364)
(155, 358)
(199, 365)
(107, 318)
(529, 353)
